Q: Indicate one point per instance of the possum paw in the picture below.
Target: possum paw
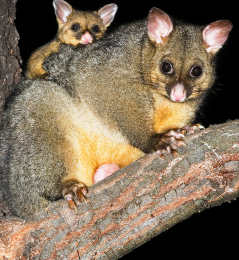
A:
(171, 140)
(74, 192)
(190, 129)
(167, 143)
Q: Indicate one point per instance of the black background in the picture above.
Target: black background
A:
(210, 234)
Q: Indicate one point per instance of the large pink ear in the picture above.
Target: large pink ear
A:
(159, 25)
(62, 10)
(107, 13)
(215, 34)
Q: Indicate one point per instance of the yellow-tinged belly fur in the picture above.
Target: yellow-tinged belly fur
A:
(171, 115)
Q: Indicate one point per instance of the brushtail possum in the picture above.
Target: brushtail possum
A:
(136, 90)
(75, 28)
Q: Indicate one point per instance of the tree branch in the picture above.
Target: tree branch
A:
(133, 205)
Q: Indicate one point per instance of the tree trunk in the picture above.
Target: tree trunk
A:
(10, 61)
(133, 205)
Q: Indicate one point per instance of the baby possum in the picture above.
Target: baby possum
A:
(74, 28)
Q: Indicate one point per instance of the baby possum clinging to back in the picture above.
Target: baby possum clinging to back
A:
(74, 28)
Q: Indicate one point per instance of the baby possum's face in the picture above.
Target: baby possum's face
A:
(79, 27)
(82, 28)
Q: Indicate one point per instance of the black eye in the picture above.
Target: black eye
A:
(166, 67)
(195, 71)
(75, 27)
(95, 28)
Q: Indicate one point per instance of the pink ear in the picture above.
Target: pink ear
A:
(107, 13)
(215, 34)
(62, 10)
(159, 25)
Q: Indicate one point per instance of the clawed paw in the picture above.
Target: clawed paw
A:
(74, 192)
(168, 143)
(171, 140)
(190, 129)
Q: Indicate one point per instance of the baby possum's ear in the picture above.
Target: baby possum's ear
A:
(215, 34)
(107, 14)
(159, 25)
(62, 10)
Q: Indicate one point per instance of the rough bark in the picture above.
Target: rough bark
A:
(10, 61)
(133, 205)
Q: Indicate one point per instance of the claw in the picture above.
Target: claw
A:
(160, 154)
(181, 143)
(183, 131)
(174, 153)
(190, 129)
(201, 126)
(75, 193)
(175, 134)
(71, 203)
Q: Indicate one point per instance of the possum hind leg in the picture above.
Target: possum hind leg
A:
(74, 192)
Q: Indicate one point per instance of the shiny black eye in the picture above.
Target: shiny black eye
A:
(195, 71)
(95, 28)
(75, 27)
(166, 67)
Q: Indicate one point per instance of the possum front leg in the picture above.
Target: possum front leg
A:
(172, 139)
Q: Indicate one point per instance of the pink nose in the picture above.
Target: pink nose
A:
(178, 93)
(86, 38)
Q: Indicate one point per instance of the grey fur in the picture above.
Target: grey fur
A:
(112, 78)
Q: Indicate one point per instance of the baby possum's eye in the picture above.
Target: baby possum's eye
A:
(75, 27)
(166, 67)
(195, 71)
(95, 28)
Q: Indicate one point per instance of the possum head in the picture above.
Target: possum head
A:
(80, 28)
(182, 66)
